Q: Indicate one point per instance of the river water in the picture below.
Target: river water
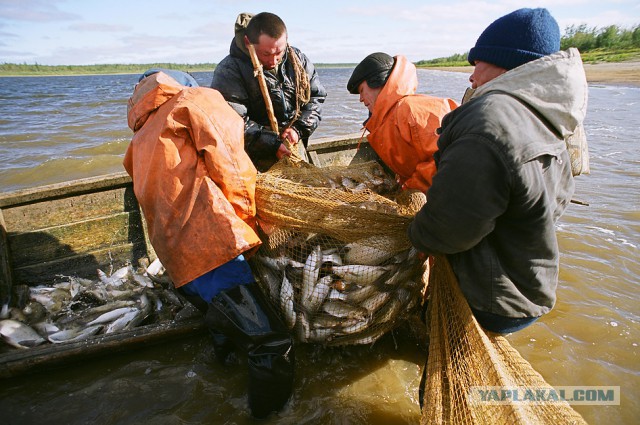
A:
(54, 129)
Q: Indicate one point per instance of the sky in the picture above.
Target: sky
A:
(88, 32)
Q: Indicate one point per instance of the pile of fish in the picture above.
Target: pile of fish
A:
(76, 308)
(340, 294)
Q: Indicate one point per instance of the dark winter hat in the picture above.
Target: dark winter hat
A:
(375, 69)
(517, 38)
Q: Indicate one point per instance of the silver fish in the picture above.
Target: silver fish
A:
(343, 309)
(328, 321)
(71, 335)
(375, 301)
(143, 280)
(311, 270)
(361, 274)
(357, 327)
(364, 252)
(402, 275)
(19, 335)
(333, 258)
(279, 263)
(269, 279)
(132, 319)
(112, 315)
(155, 268)
(303, 330)
(359, 294)
(286, 302)
(313, 298)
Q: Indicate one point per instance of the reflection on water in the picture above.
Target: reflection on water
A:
(59, 128)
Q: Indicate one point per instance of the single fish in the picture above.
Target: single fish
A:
(279, 263)
(361, 274)
(310, 273)
(366, 252)
(155, 268)
(333, 258)
(358, 294)
(269, 279)
(112, 315)
(143, 280)
(343, 309)
(286, 302)
(374, 302)
(311, 301)
(72, 335)
(19, 335)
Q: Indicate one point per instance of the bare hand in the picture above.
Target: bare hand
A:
(291, 135)
(282, 151)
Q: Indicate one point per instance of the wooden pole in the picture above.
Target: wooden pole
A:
(259, 74)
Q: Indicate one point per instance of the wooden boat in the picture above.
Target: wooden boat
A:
(76, 227)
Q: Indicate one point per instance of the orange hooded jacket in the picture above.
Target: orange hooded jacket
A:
(403, 126)
(191, 176)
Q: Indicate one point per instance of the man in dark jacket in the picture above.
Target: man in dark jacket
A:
(292, 81)
(504, 175)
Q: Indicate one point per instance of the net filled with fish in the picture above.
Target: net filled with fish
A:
(336, 259)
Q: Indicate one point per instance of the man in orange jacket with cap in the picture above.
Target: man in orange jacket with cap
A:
(402, 124)
(196, 187)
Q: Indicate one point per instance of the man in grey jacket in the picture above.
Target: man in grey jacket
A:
(293, 84)
(504, 175)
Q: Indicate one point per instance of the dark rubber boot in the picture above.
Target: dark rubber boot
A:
(223, 347)
(270, 377)
(245, 316)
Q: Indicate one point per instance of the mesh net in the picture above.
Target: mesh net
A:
(462, 356)
(336, 258)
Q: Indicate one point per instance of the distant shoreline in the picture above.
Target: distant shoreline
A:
(618, 73)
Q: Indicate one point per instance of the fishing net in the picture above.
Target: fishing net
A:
(336, 258)
(464, 360)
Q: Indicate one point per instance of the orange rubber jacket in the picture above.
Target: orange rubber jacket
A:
(191, 176)
(403, 126)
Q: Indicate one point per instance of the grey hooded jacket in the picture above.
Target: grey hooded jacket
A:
(503, 180)
(234, 78)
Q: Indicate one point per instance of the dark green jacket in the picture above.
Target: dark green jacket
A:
(503, 180)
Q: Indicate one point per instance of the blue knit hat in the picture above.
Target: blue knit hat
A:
(517, 38)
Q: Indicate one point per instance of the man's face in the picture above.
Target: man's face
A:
(270, 50)
(484, 72)
(368, 96)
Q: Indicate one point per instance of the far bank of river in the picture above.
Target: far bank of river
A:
(608, 72)
(623, 73)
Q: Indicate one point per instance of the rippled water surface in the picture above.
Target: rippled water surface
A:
(54, 129)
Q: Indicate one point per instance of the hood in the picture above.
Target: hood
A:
(402, 81)
(555, 86)
(150, 93)
(237, 44)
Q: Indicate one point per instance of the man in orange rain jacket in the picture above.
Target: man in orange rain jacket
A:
(196, 186)
(402, 124)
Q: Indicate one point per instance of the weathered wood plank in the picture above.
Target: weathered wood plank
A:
(65, 189)
(79, 265)
(76, 238)
(59, 211)
(5, 265)
(42, 358)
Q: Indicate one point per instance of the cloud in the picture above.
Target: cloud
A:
(34, 11)
(93, 27)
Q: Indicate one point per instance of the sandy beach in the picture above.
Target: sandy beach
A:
(623, 73)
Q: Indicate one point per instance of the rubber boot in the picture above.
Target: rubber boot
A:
(223, 347)
(246, 317)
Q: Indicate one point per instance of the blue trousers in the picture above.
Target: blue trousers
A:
(233, 273)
